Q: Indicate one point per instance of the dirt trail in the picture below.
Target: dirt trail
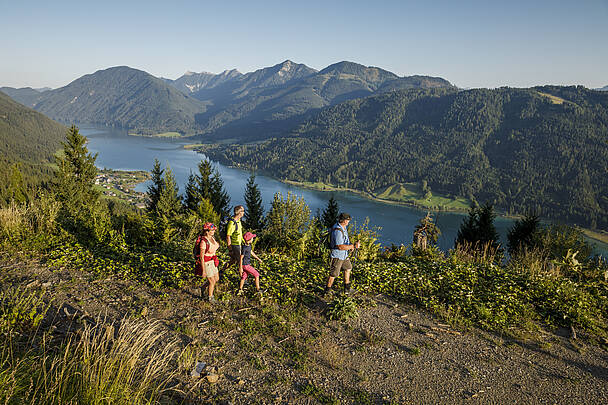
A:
(391, 353)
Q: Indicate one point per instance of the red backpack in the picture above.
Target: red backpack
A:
(196, 251)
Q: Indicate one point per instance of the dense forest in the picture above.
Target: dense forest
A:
(28, 141)
(543, 149)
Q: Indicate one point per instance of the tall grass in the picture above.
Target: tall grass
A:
(131, 362)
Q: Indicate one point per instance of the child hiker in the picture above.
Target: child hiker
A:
(248, 269)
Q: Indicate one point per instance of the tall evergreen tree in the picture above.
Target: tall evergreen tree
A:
(74, 183)
(169, 202)
(154, 188)
(211, 187)
(478, 228)
(524, 233)
(254, 211)
(330, 213)
(219, 196)
(167, 207)
(16, 189)
(191, 194)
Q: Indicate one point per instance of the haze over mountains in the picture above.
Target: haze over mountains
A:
(203, 102)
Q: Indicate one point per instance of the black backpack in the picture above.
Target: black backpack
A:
(223, 228)
(327, 237)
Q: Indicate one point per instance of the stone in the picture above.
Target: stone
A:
(198, 369)
(212, 378)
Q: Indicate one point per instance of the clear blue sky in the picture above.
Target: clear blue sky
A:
(470, 43)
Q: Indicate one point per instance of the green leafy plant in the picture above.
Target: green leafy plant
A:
(342, 308)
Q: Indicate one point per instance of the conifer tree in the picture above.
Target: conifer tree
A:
(17, 191)
(154, 188)
(191, 194)
(74, 181)
(330, 213)
(524, 233)
(169, 202)
(219, 196)
(254, 212)
(167, 207)
(211, 187)
(478, 228)
(206, 213)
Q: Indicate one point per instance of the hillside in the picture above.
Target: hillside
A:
(287, 90)
(123, 97)
(26, 95)
(28, 138)
(521, 149)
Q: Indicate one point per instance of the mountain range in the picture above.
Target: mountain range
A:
(198, 103)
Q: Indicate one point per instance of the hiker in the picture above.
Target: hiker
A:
(207, 262)
(338, 257)
(234, 238)
(246, 254)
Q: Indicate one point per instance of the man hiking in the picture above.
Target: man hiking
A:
(234, 238)
(338, 257)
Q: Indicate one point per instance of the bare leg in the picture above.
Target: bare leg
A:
(212, 281)
(346, 276)
(257, 283)
(330, 281)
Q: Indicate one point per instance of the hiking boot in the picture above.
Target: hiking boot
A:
(348, 289)
(212, 299)
(239, 293)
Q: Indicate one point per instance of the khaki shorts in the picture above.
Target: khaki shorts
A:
(335, 265)
(210, 269)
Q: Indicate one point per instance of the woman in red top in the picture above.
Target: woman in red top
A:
(208, 266)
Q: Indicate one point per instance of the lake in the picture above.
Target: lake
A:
(119, 151)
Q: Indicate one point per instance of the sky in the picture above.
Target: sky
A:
(470, 43)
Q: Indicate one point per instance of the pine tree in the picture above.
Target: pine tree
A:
(524, 233)
(167, 207)
(154, 188)
(169, 202)
(254, 212)
(219, 196)
(478, 229)
(191, 194)
(211, 187)
(330, 213)
(17, 191)
(206, 213)
(74, 184)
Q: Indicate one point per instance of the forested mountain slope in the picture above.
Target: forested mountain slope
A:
(27, 138)
(123, 97)
(543, 149)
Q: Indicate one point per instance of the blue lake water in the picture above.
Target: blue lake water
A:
(119, 151)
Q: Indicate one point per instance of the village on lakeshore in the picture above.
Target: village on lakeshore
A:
(121, 185)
